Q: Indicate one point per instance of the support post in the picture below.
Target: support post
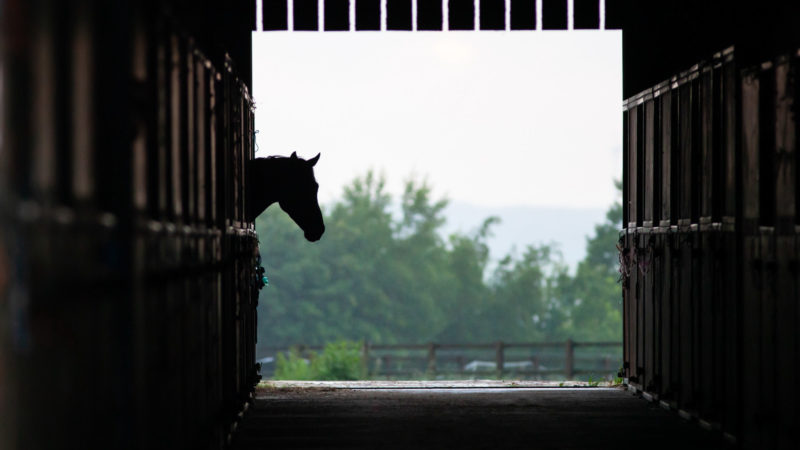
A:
(500, 358)
(365, 356)
(569, 360)
(431, 359)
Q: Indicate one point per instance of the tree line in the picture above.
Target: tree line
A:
(393, 278)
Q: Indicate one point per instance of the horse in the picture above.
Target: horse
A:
(290, 182)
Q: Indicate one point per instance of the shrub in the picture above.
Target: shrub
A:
(292, 367)
(341, 360)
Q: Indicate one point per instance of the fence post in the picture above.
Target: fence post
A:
(365, 356)
(500, 358)
(569, 361)
(431, 359)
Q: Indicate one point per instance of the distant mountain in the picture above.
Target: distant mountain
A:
(524, 225)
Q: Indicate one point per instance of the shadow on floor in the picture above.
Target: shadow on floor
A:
(385, 416)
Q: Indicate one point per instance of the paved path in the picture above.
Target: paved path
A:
(482, 416)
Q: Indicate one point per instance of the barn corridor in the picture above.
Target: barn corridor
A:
(385, 416)
(130, 269)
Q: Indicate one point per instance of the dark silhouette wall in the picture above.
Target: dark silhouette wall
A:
(128, 279)
(711, 238)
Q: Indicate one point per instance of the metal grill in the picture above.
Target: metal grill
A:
(435, 15)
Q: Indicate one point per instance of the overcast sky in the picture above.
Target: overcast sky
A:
(491, 118)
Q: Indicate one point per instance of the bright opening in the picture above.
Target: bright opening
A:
(522, 126)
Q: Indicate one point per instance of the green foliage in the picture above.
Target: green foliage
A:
(341, 360)
(292, 367)
(394, 279)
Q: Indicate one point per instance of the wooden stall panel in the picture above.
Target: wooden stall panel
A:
(190, 151)
(665, 117)
(632, 188)
(649, 164)
(785, 288)
(666, 320)
(684, 160)
(707, 143)
(730, 95)
(785, 145)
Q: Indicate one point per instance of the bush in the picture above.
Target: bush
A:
(292, 367)
(341, 360)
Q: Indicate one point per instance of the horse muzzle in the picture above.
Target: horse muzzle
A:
(315, 235)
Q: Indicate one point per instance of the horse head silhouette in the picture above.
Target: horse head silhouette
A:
(290, 182)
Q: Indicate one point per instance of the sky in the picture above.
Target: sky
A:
(489, 118)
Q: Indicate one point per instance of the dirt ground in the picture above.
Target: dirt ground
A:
(462, 415)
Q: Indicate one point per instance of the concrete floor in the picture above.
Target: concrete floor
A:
(482, 416)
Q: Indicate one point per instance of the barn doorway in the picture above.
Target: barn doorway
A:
(457, 233)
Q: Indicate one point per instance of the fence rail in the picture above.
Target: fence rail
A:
(443, 359)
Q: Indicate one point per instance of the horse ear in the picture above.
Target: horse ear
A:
(294, 155)
(313, 161)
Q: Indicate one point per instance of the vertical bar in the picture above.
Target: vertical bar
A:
(139, 145)
(414, 14)
(522, 14)
(259, 15)
(751, 282)
(730, 97)
(201, 129)
(305, 15)
(667, 326)
(82, 109)
(685, 164)
(687, 337)
(499, 358)
(613, 13)
(336, 16)
(707, 143)
(175, 127)
(365, 14)
(461, 15)
(649, 182)
(786, 308)
(351, 14)
(554, 14)
(490, 14)
(275, 14)
(476, 17)
(539, 25)
(191, 166)
(570, 14)
(569, 359)
(766, 154)
(431, 359)
(43, 107)
(397, 15)
(446, 15)
(602, 24)
(290, 15)
(586, 14)
(429, 15)
(633, 167)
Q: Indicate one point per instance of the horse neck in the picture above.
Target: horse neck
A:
(266, 184)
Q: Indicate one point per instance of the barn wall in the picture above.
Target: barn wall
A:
(711, 245)
(127, 269)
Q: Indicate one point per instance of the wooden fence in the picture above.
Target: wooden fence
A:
(541, 359)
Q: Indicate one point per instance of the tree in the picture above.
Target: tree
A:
(596, 309)
(396, 279)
